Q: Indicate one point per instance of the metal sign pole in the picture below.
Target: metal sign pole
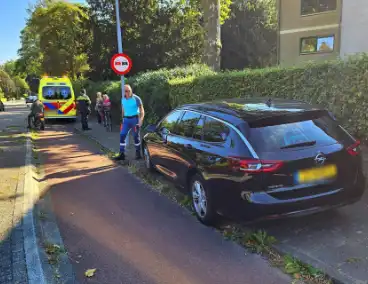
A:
(120, 42)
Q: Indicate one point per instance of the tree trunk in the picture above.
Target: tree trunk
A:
(212, 44)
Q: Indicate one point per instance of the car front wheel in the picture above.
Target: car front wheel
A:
(202, 202)
(147, 159)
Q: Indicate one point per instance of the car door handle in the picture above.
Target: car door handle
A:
(188, 146)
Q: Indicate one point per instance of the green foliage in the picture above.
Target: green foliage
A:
(300, 270)
(340, 86)
(225, 10)
(30, 55)
(258, 241)
(151, 86)
(21, 86)
(10, 68)
(7, 86)
(60, 27)
(55, 40)
(156, 34)
(249, 36)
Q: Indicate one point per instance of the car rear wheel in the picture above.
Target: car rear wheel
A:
(147, 159)
(202, 202)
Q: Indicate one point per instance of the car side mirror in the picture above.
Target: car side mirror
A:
(165, 131)
(151, 128)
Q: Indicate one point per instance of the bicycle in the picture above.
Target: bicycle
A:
(107, 121)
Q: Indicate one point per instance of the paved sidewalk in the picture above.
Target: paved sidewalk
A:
(110, 140)
(335, 241)
(12, 259)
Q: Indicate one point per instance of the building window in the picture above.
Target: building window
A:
(317, 44)
(317, 6)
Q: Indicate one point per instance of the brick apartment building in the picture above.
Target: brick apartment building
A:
(313, 30)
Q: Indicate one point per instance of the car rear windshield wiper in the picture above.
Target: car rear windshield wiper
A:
(307, 143)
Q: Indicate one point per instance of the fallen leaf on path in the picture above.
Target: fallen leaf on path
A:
(90, 272)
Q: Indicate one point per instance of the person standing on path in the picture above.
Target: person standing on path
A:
(106, 103)
(99, 108)
(84, 108)
(133, 115)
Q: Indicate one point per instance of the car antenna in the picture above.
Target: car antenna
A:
(269, 102)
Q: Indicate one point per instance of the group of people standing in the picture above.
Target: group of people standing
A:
(103, 108)
(132, 116)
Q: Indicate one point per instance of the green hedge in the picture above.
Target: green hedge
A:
(340, 86)
(151, 86)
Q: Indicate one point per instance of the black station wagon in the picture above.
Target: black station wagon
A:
(250, 159)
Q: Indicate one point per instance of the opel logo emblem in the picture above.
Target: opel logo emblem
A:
(320, 159)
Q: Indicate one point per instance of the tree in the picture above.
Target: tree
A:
(21, 87)
(215, 12)
(30, 55)
(63, 37)
(250, 35)
(55, 39)
(9, 68)
(156, 34)
(7, 85)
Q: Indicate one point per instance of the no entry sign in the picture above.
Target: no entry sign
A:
(121, 64)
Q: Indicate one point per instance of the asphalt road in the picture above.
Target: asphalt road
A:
(12, 156)
(110, 221)
(15, 115)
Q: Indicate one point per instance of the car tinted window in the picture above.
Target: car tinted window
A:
(187, 124)
(324, 131)
(215, 131)
(170, 121)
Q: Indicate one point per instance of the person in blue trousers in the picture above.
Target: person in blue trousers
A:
(133, 115)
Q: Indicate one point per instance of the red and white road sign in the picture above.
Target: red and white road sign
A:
(121, 64)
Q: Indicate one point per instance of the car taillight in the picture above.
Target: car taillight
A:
(354, 149)
(254, 165)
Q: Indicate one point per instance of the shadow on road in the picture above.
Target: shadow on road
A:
(129, 233)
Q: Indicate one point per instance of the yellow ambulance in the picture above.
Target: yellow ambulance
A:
(57, 95)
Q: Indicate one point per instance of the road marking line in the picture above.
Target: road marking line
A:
(33, 260)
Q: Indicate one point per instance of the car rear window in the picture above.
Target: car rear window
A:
(323, 131)
(56, 93)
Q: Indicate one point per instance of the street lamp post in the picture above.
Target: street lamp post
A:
(120, 41)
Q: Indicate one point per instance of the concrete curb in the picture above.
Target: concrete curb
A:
(33, 261)
(47, 231)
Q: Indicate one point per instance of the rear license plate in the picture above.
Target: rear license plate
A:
(316, 174)
(42, 119)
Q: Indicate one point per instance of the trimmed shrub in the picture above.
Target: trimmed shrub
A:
(151, 86)
(340, 86)
(154, 88)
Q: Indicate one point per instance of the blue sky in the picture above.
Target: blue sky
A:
(12, 21)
